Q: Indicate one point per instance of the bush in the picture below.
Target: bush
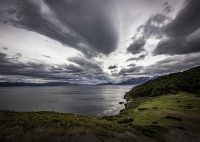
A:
(180, 127)
(126, 120)
(155, 122)
(142, 109)
(173, 118)
(154, 107)
(188, 106)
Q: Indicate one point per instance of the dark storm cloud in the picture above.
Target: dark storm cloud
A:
(16, 57)
(187, 21)
(86, 64)
(86, 72)
(10, 67)
(167, 8)
(153, 27)
(137, 46)
(141, 57)
(132, 65)
(31, 18)
(169, 65)
(68, 69)
(90, 19)
(183, 32)
(91, 69)
(172, 64)
(3, 57)
(114, 71)
(112, 67)
(178, 45)
(5, 48)
(73, 22)
(131, 70)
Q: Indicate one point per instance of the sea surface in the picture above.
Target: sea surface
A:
(84, 100)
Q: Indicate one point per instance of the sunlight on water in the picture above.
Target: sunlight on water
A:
(85, 100)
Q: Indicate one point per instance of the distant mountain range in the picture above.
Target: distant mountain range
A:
(10, 84)
(133, 81)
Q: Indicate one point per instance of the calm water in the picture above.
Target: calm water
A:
(86, 100)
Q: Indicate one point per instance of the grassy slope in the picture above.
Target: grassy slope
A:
(164, 102)
(184, 108)
(188, 81)
(52, 126)
(150, 117)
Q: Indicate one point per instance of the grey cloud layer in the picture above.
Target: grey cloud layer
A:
(131, 70)
(74, 22)
(137, 46)
(31, 18)
(112, 67)
(187, 21)
(91, 19)
(172, 64)
(85, 71)
(179, 45)
(166, 66)
(141, 57)
(183, 32)
(153, 27)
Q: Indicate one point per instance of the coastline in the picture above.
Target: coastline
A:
(137, 122)
(155, 111)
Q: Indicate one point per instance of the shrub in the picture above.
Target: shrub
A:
(173, 118)
(142, 109)
(126, 120)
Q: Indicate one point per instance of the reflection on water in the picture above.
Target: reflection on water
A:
(86, 100)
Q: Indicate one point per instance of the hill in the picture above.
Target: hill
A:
(187, 81)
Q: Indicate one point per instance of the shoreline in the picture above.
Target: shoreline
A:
(143, 120)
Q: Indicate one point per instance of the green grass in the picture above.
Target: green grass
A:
(14, 126)
(166, 111)
(49, 119)
(155, 109)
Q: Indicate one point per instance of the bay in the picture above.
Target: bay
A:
(84, 100)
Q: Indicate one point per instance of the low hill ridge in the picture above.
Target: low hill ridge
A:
(187, 81)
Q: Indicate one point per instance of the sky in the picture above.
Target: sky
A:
(97, 41)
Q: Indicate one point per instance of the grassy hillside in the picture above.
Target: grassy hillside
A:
(187, 81)
(170, 118)
(52, 126)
